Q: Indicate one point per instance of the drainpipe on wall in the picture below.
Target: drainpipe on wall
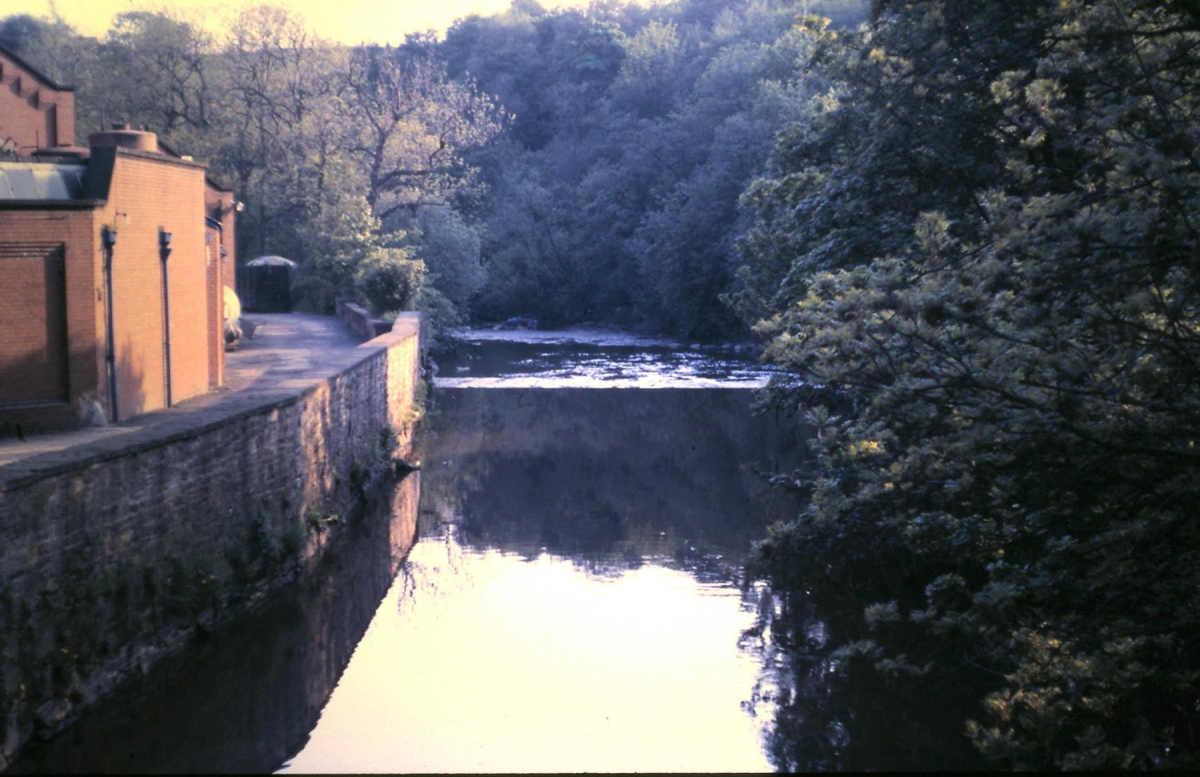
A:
(164, 252)
(108, 238)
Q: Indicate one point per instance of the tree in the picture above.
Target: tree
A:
(449, 247)
(636, 130)
(281, 133)
(649, 71)
(170, 56)
(980, 266)
(416, 124)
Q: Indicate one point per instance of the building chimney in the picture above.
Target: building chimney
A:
(123, 136)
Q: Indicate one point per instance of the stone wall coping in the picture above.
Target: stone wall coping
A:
(360, 320)
(180, 423)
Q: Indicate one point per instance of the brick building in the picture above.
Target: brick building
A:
(35, 112)
(113, 260)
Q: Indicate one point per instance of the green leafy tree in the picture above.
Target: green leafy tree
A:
(389, 280)
(340, 242)
(648, 79)
(635, 131)
(449, 247)
(979, 265)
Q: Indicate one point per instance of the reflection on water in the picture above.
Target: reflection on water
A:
(489, 662)
(576, 599)
(825, 719)
(607, 478)
(246, 699)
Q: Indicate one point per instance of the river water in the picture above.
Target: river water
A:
(576, 599)
(560, 588)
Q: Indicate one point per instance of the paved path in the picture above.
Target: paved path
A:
(288, 350)
(284, 346)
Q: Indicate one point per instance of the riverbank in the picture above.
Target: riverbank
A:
(123, 547)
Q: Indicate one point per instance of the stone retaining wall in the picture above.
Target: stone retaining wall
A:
(117, 552)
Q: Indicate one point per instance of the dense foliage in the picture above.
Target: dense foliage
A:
(570, 165)
(615, 195)
(980, 261)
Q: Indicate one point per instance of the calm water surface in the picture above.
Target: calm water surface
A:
(573, 599)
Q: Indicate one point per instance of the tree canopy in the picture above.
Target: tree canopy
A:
(979, 265)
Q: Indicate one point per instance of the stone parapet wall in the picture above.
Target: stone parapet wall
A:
(360, 320)
(117, 552)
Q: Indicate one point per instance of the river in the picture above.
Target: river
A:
(559, 588)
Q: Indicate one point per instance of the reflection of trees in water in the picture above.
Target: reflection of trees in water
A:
(825, 716)
(428, 580)
(607, 478)
(611, 480)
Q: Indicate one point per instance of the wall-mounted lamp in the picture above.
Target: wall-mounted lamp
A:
(239, 206)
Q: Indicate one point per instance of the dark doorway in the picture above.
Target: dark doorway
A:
(265, 289)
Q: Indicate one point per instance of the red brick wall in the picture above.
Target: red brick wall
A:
(82, 310)
(33, 322)
(32, 113)
(64, 113)
(220, 205)
(150, 194)
(212, 267)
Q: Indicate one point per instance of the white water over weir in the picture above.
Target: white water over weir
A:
(586, 358)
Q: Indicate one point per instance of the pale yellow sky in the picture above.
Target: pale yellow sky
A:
(346, 21)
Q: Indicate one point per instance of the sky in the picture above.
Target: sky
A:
(344, 21)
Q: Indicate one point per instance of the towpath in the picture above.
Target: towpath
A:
(288, 351)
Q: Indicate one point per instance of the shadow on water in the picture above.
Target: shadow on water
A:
(246, 698)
